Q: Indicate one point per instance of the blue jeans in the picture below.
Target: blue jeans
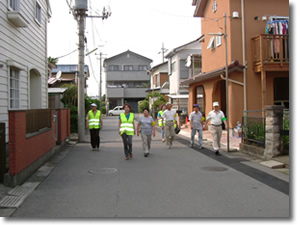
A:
(162, 132)
(199, 136)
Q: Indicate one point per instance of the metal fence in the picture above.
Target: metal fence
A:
(254, 127)
(37, 119)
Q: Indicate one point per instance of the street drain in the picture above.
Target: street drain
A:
(103, 171)
(215, 169)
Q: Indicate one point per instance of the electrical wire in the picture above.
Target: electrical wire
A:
(67, 54)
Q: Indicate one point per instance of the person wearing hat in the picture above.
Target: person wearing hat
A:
(170, 116)
(217, 117)
(127, 129)
(161, 121)
(94, 124)
(196, 120)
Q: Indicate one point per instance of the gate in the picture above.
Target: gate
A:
(254, 127)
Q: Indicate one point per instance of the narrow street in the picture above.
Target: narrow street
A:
(177, 182)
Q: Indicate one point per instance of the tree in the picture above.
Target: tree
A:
(158, 101)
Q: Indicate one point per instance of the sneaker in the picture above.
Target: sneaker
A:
(200, 147)
(127, 158)
(163, 140)
(131, 155)
(191, 145)
(217, 152)
(97, 149)
(146, 154)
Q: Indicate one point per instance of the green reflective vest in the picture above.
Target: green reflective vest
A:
(160, 123)
(126, 126)
(94, 120)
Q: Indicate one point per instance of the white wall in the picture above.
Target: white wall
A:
(26, 48)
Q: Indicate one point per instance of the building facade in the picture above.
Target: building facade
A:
(126, 79)
(258, 55)
(23, 56)
(179, 70)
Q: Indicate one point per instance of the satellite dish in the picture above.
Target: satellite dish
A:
(188, 61)
(58, 75)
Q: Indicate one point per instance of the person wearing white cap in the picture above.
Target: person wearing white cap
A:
(217, 117)
(170, 116)
(94, 124)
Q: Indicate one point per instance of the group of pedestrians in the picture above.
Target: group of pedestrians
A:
(167, 121)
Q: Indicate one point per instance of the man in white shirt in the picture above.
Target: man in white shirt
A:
(170, 116)
(217, 117)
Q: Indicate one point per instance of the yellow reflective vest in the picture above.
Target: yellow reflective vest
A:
(126, 126)
(160, 123)
(94, 119)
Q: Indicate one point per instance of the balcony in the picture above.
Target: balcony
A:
(270, 52)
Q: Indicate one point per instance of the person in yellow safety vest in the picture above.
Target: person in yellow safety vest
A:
(127, 129)
(94, 124)
(161, 121)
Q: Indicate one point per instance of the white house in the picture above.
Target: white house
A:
(178, 70)
(23, 56)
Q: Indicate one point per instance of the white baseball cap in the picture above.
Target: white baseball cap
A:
(215, 104)
(93, 104)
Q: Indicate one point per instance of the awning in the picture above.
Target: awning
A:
(234, 66)
(183, 96)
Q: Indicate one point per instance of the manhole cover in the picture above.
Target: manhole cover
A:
(214, 168)
(103, 171)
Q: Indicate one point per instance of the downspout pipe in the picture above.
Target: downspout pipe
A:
(244, 53)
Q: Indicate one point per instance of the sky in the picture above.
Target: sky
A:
(138, 25)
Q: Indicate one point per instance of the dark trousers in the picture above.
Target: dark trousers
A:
(127, 142)
(95, 139)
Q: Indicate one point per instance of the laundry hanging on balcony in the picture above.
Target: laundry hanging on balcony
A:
(279, 27)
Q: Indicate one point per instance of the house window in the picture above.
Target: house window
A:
(211, 43)
(38, 12)
(143, 67)
(219, 40)
(128, 68)
(14, 89)
(14, 5)
(113, 68)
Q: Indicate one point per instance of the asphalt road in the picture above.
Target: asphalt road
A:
(177, 182)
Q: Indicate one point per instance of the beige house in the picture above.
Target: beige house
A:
(258, 55)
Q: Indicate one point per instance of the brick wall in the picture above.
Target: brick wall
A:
(23, 151)
(63, 116)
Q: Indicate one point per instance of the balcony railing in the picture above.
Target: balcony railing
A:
(270, 49)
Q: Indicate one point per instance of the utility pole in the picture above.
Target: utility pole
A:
(163, 51)
(80, 15)
(100, 83)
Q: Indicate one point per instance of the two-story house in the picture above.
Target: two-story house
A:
(23, 56)
(60, 75)
(159, 79)
(67, 74)
(126, 79)
(179, 70)
(258, 55)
